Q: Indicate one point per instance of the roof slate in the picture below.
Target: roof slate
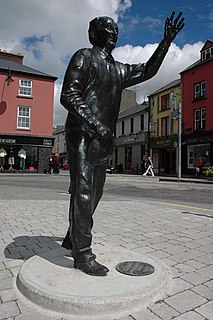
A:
(168, 86)
(133, 110)
(21, 68)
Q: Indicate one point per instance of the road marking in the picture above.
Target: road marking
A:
(182, 205)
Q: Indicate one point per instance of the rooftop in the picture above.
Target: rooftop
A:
(14, 63)
(133, 110)
(167, 86)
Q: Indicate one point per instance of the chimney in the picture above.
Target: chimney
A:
(17, 57)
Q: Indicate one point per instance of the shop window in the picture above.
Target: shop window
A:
(200, 90)
(165, 126)
(25, 88)
(200, 119)
(128, 158)
(165, 99)
(195, 151)
(23, 121)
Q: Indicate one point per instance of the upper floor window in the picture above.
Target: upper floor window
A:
(207, 54)
(25, 88)
(165, 126)
(165, 99)
(122, 128)
(200, 119)
(200, 90)
(23, 118)
(142, 122)
(131, 125)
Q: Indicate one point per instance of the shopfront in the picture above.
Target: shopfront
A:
(197, 150)
(25, 153)
(164, 154)
(195, 147)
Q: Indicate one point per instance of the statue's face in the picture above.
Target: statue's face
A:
(107, 34)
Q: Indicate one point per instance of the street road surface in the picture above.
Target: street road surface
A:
(190, 196)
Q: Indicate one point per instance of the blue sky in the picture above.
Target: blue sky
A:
(143, 22)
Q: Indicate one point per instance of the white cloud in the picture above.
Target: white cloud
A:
(177, 59)
(47, 33)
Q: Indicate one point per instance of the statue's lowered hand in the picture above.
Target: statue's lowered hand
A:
(104, 133)
(172, 28)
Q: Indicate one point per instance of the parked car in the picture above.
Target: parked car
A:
(109, 169)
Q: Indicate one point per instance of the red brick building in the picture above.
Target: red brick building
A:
(197, 111)
(26, 115)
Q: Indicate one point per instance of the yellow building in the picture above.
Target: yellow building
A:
(163, 127)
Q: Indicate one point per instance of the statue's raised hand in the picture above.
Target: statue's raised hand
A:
(172, 28)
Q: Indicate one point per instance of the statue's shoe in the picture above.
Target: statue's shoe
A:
(92, 267)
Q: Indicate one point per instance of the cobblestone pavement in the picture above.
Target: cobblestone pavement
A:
(183, 241)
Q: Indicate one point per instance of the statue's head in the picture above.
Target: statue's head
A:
(103, 32)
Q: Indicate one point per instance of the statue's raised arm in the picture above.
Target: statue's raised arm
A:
(172, 28)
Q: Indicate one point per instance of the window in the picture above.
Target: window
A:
(25, 88)
(200, 90)
(165, 102)
(122, 128)
(131, 125)
(165, 126)
(142, 122)
(207, 54)
(23, 118)
(194, 151)
(200, 119)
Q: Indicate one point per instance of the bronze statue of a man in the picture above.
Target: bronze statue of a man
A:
(91, 93)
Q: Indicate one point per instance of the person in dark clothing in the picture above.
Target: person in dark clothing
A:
(91, 93)
(56, 162)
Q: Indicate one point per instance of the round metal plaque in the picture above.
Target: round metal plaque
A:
(135, 268)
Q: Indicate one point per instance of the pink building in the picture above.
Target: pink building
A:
(26, 115)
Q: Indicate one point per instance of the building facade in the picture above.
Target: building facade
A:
(131, 136)
(60, 145)
(163, 127)
(197, 114)
(26, 115)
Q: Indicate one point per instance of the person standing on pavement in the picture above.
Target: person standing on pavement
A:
(91, 93)
(150, 166)
(200, 165)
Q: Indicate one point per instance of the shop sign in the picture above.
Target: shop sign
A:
(7, 140)
(47, 142)
(174, 114)
(129, 140)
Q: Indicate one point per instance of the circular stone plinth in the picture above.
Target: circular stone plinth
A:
(52, 282)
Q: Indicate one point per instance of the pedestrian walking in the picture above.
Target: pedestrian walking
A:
(149, 165)
(56, 162)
